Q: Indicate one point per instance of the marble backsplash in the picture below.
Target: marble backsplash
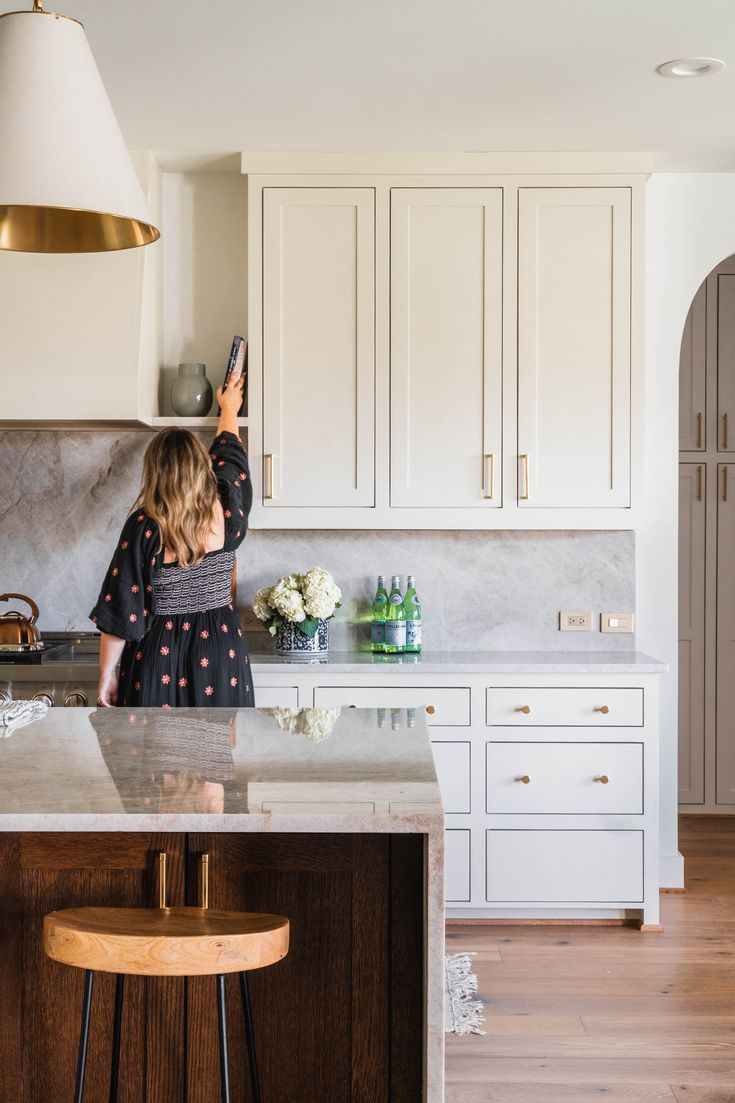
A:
(65, 494)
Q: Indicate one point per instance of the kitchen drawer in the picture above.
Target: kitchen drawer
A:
(448, 708)
(271, 697)
(565, 707)
(561, 778)
(457, 865)
(452, 761)
(575, 867)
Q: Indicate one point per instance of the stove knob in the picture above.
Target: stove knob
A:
(76, 700)
(45, 697)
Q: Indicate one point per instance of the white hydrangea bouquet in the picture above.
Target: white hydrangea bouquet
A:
(296, 610)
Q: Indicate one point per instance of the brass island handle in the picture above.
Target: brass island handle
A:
(268, 487)
(524, 709)
(524, 778)
(603, 779)
(526, 478)
(204, 886)
(430, 709)
(488, 475)
(604, 709)
(162, 878)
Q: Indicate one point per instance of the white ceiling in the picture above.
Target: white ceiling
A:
(223, 75)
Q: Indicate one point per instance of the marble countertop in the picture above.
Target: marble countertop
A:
(84, 668)
(310, 770)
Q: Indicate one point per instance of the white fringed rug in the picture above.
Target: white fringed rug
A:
(462, 1012)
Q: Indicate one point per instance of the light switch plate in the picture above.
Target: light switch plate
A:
(575, 622)
(616, 622)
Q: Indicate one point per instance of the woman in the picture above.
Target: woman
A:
(165, 610)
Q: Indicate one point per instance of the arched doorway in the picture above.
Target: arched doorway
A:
(707, 548)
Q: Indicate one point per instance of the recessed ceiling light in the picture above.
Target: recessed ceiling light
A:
(691, 67)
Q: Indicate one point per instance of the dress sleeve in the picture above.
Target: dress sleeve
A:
(123, 606)
(230, 463)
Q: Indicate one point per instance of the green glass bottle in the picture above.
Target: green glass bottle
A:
(380, 606)
(412, 606)
(395, 621)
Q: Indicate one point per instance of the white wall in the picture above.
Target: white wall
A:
(690, 227)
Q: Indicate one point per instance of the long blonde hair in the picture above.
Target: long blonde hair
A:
(179, 493)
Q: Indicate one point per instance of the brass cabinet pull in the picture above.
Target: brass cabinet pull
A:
(162, 878)
(724, 482)
(488, 475)
(699, 430)
(268, 486)
(524, 708)
(204, 865)
(699, 482)
(431, 709)
(524, 778)
(604, 709)
(724, 431)
(352, 706)
(526, 487)
(603, 779)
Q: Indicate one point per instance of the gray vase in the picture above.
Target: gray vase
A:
(191, 392)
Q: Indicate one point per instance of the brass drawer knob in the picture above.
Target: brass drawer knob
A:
(524, 709)
(604, 709)
(430, 709)
(524, 778)
(603, 779)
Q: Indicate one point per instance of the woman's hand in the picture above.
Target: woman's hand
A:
(107, 690)
(230, 397)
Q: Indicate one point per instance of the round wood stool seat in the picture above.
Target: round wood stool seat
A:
(165, 942)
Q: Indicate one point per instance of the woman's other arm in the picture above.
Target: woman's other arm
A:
(111, 648)
(230, 401)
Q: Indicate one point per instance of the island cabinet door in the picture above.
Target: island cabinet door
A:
(339, 1019)
(446, 347)
(318, 347)
(41, 1001)
(574, 333)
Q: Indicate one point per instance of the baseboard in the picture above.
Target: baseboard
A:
(671, 871)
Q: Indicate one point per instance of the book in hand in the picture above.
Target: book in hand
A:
(236, 364)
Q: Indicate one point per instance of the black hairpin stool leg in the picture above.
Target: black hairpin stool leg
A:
(224, 1072)
(252, 1060)
(116, 1032)
(84, 1036)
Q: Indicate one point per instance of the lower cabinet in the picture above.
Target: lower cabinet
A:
(549, 783)
(335, 1022)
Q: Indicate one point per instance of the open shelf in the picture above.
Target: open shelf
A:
(209, 422)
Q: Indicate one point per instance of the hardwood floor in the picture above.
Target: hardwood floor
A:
(584, 1015)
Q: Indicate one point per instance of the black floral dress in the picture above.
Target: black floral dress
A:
(185, 645)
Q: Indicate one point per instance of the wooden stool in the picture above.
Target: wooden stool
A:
(165, 942)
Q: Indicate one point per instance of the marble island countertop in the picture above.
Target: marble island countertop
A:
(65, 665)
(311, 770)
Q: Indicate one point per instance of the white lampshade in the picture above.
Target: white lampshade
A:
(67, 184)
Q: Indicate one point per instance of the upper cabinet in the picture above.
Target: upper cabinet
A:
(318, 347)
(574, 278)
(446, 359)
(692, 376)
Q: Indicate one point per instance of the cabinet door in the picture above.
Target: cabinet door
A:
(446, 347)
(692, 376)
(691, 631)
(318, 347)
(40, 1000)
(722, 285)
(574, 286)
(725, 634)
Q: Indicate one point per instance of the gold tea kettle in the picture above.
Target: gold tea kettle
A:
(18, 632)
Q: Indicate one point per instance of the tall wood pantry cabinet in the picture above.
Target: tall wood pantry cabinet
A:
(707, 548)
(453, 351)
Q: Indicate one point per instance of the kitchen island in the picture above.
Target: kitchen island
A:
(320, 815)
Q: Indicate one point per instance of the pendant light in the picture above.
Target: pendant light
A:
(67, 184)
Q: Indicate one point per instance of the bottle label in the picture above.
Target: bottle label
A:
(396, 599)
(377, 633)
(413, 633)
(380, 599)
(395, 633)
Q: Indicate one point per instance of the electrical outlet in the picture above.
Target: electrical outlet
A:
(575, 622)
(616, 622)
